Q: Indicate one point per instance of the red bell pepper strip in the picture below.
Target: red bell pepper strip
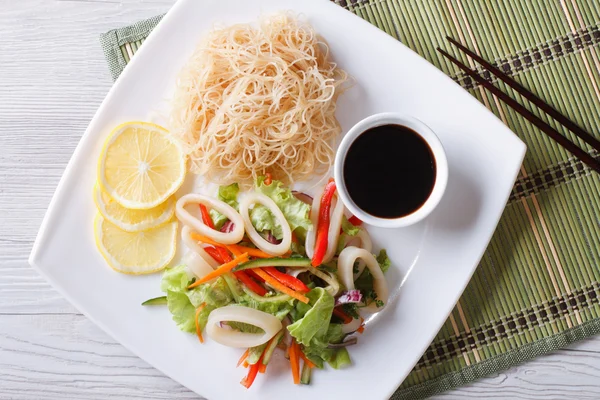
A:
(219, 254)
(250, 283)
(287, 280)
(252, 372)
(224, 254)
(254, 275)
(222, 257)
(206, 217)
(354, 220)
(242, 276)
(214, 253)
(322, 234)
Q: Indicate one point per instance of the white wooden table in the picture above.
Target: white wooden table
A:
(52, 79)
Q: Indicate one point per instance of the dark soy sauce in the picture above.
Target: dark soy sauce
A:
(389, 171)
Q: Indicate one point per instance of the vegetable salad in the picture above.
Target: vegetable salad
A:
(272, 270)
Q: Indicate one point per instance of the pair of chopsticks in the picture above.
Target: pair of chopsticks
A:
(535, 120)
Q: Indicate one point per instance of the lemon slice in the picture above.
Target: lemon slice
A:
(133, 220)
(140, 165)
(136, 252)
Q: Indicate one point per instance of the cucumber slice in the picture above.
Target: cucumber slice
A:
(305, 377)
(292, 262)
(271, 347)
(270, 299)
(157, 301)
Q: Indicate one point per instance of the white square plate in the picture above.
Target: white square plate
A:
(433, 261)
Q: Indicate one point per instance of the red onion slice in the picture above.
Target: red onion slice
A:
(349, 296)
(303, 197)
(272, 239)
(227, 227)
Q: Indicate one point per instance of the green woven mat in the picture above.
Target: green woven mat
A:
(538, 285)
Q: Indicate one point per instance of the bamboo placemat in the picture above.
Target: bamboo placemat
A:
(538, 285)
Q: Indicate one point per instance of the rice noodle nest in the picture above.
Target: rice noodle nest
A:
(259, 98)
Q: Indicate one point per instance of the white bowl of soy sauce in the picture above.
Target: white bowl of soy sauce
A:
(391, 170)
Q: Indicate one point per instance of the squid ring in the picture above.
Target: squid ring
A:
(345, 265)
(259, 241)
(234, 338)
(233, 237)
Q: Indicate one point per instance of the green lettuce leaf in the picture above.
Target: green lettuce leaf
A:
(314, 330)
(203, 316)
(279, 305)
(339, 358)
(264, 221)
(298, 249)
(334, 334)
(296, 212)
(348, 228)
(341, 245)
(182, 310)
(243, 327)
(228, 194)
(182, 303)
(312, 327)
(175, 279)
(173, 283)
(215, 294)
(384, 261)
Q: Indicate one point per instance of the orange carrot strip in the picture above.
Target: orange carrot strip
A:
(198, 330)
(306, 360)
(235, 251)
(282, 288)
(243, 357)
(262, 368)
(361, 328)
(251, 251)
(235, 248)
(295, 362)
(200, 238)
(246, 364)
(268, 179)
(221, 270)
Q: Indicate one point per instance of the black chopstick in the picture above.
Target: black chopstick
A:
(548, 109)
(541, 124)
